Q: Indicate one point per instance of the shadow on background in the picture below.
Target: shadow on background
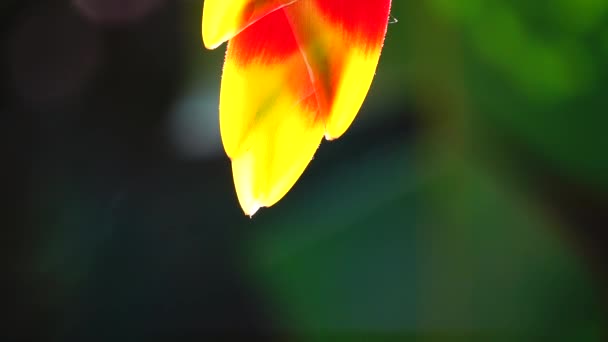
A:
(468, 201)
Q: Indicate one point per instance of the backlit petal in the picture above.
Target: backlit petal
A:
(342, 41)
(269, 117)
(296, 74)
(272, 165)
(223, 19)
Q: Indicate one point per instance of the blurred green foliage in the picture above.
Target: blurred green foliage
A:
(535, 71)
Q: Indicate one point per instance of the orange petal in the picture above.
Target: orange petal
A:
(223, 19)
(342, 41)
(269, 117)
(293, 76)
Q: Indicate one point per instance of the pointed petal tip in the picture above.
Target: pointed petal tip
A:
(252, 210)
(329, 137)
(213, 32)
(211, 44)
(211, 37)
(249, 205)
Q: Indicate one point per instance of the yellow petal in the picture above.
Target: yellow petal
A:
(281, 150)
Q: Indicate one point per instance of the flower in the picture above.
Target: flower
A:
(295, 71)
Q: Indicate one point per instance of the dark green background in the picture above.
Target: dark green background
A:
(468, 201)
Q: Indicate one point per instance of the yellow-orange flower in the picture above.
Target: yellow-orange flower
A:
(295, 71)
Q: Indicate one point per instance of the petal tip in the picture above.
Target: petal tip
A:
(329, 137)
(211, 38)
(250, 211)
(210, 44)
(213, 32)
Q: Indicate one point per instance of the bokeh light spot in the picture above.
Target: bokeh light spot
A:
(52, 56)
(116, 12)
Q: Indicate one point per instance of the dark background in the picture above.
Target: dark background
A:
(468, 200)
